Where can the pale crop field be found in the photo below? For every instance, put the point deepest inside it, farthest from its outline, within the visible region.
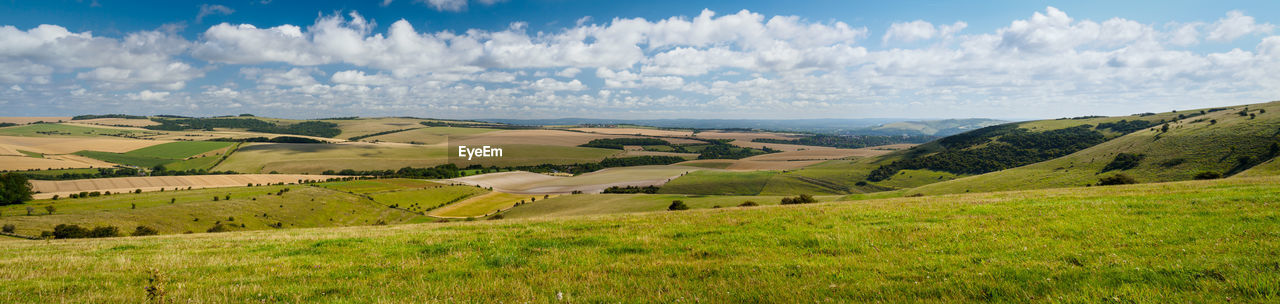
(47, 189)
(316, 158)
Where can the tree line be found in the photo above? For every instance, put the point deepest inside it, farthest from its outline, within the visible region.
(849, 141)
(308, 128)
(1011, 147)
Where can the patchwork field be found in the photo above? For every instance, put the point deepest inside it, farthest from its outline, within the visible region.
(118, 122)
(1204, 241)
(27, 120)
(428, 135)
(316, 158)
(47, 189)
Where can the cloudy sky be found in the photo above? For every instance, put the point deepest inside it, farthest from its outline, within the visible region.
(635, 59)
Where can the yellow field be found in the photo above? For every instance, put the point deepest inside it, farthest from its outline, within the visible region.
(316, 158)
(27, 120)
(48, 189)
(67, 145)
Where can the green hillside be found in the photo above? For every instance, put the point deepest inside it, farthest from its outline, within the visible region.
(1222, 142)
(1200, 241)
(162, 154)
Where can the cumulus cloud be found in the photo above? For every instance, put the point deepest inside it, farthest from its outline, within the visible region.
(208, 10)
(743, 64)
(920, 30)
(450, 5)
(1237, 24)
(147, 95)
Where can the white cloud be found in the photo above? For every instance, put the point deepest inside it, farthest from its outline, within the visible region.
(920, 30)
(208, 10)
(358, 77)
(1237, 24)
(548, 84)
(148, 95)
(569, 72)
(451, 5)
(295, 77)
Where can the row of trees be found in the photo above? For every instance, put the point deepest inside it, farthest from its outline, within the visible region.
(849, 141)
(618, 143)
(309, 128)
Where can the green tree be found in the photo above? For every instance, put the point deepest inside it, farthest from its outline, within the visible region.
(677, 205)
(50, 209)
(14, 189)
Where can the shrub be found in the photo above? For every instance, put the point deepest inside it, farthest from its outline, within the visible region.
(748, 204)
(218, 228)
(144, 230)
(64, 231)
(1208, 175)
(104, 231)
(9, 228)
(677, 205)
(1118, 179)
(1124, 161)
(800, 199)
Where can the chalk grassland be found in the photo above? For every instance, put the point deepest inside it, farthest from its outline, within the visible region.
(378, 185)
(1211, 241)
(594, 182)
(316, 158)
(427, 198)
(62, 188)
(257, 208)
(483, 205)
(594, 204)
(428, 135)
(1190, 147)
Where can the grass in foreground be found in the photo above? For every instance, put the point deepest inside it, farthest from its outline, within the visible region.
(1207, 241)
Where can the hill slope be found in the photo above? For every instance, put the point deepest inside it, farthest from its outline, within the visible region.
(1222, 142)
(1204, 241)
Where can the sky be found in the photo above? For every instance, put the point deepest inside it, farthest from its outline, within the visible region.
(635, 59)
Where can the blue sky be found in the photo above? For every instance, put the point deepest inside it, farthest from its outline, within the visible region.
(635, 59)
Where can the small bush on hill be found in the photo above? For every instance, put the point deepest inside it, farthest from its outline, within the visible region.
(144, 230)
(9, 228)
(677, 205)
(748, 204)
(1118, 179)
(800, 199)
(1124, 161)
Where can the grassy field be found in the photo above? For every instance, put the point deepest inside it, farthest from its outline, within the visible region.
(180, 149)
(594, 204)
(719, 183)
(427, 199)
(162, 154)
(484, 204)
(378, 185)
(49, 129)
(428, 135)
(1205, 241)
(31, 154)
(195, 210)
(316, 158)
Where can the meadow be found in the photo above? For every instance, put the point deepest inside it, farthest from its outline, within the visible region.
(1200, 241)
